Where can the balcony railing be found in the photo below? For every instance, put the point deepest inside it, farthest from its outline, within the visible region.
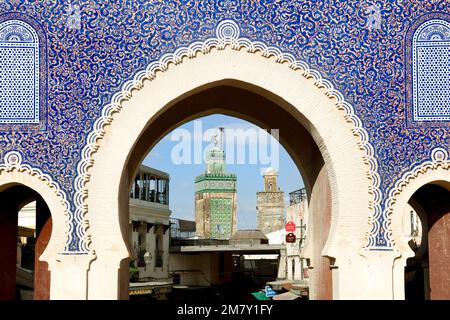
(177, 242)
(297, 196)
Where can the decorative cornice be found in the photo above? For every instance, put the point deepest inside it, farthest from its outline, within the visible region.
(227, 35)
(216, 191)
(439, 159)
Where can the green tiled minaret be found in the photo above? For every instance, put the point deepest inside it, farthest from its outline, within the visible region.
(215, 196)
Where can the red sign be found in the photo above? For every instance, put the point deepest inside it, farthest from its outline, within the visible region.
(290, 226)
(290, 238)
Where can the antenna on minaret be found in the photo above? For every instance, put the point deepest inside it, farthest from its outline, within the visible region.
(215, 140)
(221, 137)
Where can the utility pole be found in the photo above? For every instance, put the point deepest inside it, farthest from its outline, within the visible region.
(221, 137)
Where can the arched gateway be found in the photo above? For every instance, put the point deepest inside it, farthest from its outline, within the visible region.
(260, 84)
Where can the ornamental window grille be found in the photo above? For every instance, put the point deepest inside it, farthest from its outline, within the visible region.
(19, 73)
(430, 71)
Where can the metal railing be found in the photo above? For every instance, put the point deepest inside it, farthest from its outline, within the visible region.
(297, 196)
(177, 242)
(177, 232)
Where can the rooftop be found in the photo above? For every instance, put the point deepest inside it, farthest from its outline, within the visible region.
(155, 172)
(270, 172)
(249, 235)
(243, 249)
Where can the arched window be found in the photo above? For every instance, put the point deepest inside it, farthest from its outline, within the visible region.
(430, 71)
(19, 73)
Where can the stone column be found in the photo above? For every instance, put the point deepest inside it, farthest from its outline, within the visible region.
(368, 275)
(386, 273)
(68, 277)
(290, 261)
(282, 265)
(297, 268)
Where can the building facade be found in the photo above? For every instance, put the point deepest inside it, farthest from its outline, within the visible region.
(204, 269)
(149, 233)
(360, 93)
(270, 204)
(297, 212)
(215, 197)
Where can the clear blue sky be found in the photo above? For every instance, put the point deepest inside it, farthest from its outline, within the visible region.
(168, 154)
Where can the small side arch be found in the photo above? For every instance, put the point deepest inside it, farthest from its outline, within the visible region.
(435, 171)
(13, 172)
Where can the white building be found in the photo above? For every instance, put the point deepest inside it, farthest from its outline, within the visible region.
(296, 213)
(149, 236)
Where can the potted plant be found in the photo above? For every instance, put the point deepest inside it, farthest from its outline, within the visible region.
(134, 272)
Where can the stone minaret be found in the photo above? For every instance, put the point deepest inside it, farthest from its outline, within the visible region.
(215, 196)
(270, 204)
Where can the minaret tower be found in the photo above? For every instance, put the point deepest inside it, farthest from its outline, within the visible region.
(215, 196)
(270, 204)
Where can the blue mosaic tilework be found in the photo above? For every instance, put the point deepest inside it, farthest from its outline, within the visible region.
(19, 73)
(431, 75)
(88, 53)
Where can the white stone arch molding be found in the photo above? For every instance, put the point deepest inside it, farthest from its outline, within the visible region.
(436, 169)
(231, 46)
(14, 171)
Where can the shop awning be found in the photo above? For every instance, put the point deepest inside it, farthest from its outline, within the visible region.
(286, 296)
(260, 295)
